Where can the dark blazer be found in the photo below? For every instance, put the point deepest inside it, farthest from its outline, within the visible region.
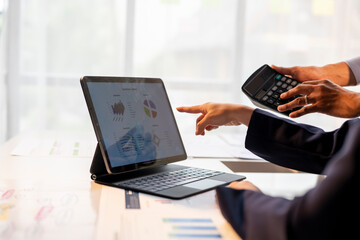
(328, 211)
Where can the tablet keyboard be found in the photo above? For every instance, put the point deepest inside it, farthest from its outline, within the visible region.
(165, 180)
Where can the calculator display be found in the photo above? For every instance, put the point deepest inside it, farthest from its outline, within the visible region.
(253, 86)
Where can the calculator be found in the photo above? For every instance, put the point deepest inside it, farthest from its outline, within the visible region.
(265, 86)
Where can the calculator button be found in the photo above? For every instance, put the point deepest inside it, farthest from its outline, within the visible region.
(294, 83)
(278, 83)
(280, 91)
(269, 93)
(284, 85)
(271, 101)
(283, 79)
(278, 76)
(289, 88)
(274, 88)
(265, 98)
(288, 81)
(276, 95)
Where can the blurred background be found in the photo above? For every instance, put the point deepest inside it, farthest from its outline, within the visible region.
(203, 50)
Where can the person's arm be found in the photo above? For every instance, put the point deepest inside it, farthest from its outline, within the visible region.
(281, 141)
(214, 115)
(284, 142)
(323, 96)
(340, 73)
(325, 212)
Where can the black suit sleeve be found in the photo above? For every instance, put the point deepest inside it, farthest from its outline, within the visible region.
(327, 211)
(289, 144)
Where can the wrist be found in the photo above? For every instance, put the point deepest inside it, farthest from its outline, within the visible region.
(356, 100)
(339, 73)
(350, 102)
(243, 114)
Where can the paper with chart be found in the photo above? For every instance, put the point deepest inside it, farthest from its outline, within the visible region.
(46, 211)
(48, 145)
(217, 146)
(143, 216)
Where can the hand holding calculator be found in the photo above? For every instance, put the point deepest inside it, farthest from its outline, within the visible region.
(265, 86)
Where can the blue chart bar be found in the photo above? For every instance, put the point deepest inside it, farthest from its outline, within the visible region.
(188, 220)
(183, 235)
(194, 227)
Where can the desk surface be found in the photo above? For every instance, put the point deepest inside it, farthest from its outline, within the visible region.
(52, 197)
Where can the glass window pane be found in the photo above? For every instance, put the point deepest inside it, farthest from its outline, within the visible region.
(81, 37)
(185, 40)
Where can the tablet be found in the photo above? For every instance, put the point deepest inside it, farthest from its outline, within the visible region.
(133, 122)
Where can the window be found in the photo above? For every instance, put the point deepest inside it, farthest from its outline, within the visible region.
(203, 50)
(2, 71)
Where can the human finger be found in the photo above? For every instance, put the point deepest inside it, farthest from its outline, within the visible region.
(244, 185)
(200, 118)
(297, 102)
(192, 109)
(303, 111)
(301, 89)
(201, 125)
(283, 70)
(197, 121)
(317, 82)
(235, 184)
(211, 127)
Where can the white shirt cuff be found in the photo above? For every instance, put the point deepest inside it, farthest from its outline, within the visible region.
(354, 65)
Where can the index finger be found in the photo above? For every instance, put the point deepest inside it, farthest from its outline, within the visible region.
(317, 82)
(298, 90)
(192, 109)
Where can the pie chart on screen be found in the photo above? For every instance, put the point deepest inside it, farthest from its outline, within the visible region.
(150, 108)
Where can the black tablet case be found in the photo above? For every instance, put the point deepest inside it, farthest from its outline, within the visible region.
(98, 167)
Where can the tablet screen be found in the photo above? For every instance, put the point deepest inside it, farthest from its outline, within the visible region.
(136, 122)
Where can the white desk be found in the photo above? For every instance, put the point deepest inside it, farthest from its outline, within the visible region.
(52, 197)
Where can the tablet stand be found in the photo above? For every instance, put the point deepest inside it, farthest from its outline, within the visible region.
(98, 167)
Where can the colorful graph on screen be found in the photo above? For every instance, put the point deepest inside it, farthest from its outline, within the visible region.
(118, 109)
(150, 108)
